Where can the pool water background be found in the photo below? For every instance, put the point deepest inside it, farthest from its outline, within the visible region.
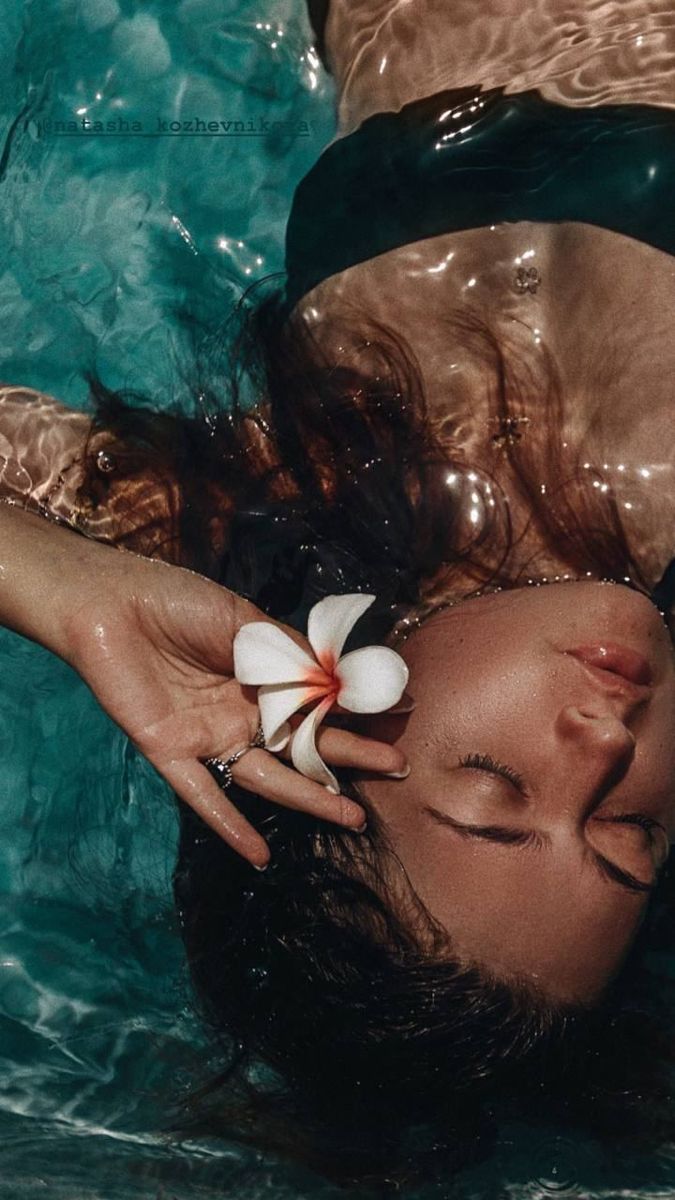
(103, 237)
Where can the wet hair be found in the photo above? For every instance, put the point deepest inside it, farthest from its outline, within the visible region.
(351, 1036)
(385, 1057)
(336, 477)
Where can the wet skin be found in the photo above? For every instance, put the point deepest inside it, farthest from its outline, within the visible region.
(541, 799)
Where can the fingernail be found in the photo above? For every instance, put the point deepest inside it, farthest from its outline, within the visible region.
(263, 868)
(352, 813)
(361, 828)
(398, 774)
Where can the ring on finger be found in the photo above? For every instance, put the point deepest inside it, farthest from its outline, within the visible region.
(222, 768)
(258, 741)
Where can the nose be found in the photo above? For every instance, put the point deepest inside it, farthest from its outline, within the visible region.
(600, 734)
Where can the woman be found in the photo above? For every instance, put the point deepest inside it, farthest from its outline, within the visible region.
(471, 428)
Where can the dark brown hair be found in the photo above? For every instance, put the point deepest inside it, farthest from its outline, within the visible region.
(351, 1036)
(347, 447)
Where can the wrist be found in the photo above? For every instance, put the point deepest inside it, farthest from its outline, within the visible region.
(48, 575)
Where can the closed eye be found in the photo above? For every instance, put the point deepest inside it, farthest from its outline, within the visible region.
(649, 824)
(520, 837)
(485, 762)
(490, 833)
(531, 837)
(656, 834)
(625, 878)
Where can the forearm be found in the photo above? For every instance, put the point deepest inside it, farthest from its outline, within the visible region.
(47, 572)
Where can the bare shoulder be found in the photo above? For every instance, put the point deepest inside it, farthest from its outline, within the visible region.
(56, 461)
(25, 410)
(41, 444)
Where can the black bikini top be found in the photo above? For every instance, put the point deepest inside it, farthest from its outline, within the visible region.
(465, 160)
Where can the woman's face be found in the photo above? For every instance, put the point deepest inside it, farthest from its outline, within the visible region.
(541, 798)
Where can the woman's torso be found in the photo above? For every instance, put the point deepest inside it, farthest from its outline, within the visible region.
(385, 53)
(600, 302)
(602, 305)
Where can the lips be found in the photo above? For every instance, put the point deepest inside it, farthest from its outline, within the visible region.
(614, 659)
(616, 670)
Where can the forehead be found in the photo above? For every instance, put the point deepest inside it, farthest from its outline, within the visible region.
(495, 622)
(572, 603)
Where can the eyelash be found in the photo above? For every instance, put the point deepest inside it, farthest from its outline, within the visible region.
(647, 823)
(485, 762)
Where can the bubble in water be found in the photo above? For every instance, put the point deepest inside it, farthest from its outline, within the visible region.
(557, 1165)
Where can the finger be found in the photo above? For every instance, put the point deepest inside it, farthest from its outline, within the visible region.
(262, 773)
(194, 784)
(341, 748)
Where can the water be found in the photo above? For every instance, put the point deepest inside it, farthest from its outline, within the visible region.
(102, 236)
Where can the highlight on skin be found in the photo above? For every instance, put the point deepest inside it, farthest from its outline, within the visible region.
(540, 806)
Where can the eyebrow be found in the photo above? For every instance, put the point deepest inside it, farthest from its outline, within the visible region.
(506, 836)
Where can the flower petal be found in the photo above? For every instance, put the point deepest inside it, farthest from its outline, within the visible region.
(263, 653)
(280, 739)
(371, 680)
(331, 621)
(276, 702)
(304, 754)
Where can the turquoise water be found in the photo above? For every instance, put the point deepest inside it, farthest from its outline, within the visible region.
(102, 237)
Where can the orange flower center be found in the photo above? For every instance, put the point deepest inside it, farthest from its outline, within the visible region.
(323, 679)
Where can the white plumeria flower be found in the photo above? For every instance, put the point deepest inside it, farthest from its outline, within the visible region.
(369, 680)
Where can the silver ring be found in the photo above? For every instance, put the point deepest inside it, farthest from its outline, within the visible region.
(223, 767)
(258, 742)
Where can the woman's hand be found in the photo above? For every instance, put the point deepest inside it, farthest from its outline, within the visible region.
(154, 643)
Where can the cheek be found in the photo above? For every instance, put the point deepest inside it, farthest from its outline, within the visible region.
(662, 759)
(513, 699)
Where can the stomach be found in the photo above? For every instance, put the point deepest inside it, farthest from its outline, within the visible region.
(584, 53)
